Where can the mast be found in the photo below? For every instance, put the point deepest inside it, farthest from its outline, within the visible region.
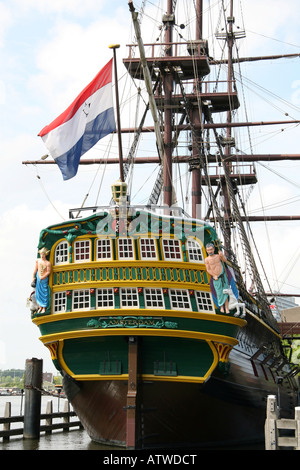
(147, 78)
(168, 21)
(227, 152)
(197, 119)
(114, 47)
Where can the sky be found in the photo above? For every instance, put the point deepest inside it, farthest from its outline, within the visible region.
(49, 51)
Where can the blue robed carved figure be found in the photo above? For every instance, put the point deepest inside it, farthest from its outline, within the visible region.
(41, 274)
(221, 278)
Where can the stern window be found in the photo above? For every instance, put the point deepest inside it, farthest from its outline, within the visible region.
(61, 253)
(194, 251)
(204, 301)
(148, 248)
(129, 297)
(171, 248)
(180, 299)
(81, 299)
(59, 302)
(104, 248)
(125, 248)
(82, 250)
(153, 298)
(105, 298)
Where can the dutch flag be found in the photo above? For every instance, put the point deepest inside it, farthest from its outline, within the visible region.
(88, 119)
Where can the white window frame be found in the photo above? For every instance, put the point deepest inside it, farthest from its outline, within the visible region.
(101, 245)
(128, 242)
(201, 299)
(129, 291)
(145, 243)
(61, 250)
(81, 296)
(156, 296)
(59, 302)
(193, 250)
(110, 302)
(180, 294)
(87, 244)
(171, 243)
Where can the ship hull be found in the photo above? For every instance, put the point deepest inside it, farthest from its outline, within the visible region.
(147, 357)
(222, 412)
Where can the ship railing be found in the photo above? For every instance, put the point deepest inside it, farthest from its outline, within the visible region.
(236, 170)
(173, 211)
(210, 86)
(197, 47)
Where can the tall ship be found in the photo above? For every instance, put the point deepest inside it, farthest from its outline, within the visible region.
(163, 336)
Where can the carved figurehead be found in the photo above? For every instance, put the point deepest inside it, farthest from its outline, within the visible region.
(41, 274)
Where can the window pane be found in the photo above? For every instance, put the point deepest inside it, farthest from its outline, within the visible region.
(125, 248)
(61, 253)
(194, 251)
(82, 250)
(129, 297)
(179, 299)
(153, 298)
(148, 248)
(81, 299)
(104, 248)
(105, 298)
(204, 301)
(171, 248)
(59, 302)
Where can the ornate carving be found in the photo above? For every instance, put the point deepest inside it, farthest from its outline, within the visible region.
(131, 322)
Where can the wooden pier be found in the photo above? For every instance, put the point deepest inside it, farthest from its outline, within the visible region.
(65, 423)
(31, 427)
(281, 434)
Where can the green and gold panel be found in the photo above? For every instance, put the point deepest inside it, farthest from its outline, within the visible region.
(160, 358)
(217, 325)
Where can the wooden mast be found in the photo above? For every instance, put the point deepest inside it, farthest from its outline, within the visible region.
(168, 21)
(114, 47)
(197, 120)
(227, 150)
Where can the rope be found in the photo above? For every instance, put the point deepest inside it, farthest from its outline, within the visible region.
(46, 194)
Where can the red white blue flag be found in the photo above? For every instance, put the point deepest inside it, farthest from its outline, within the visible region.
(88, 119)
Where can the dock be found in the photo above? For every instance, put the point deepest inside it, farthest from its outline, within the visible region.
(50, 419)
(30, 423)
(280, 433)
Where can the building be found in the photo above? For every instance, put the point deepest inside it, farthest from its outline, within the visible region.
(290, 322)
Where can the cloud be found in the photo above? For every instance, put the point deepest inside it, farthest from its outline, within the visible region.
(71, 58)
(19, 234)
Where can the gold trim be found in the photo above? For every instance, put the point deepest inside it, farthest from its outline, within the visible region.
(125, 284)
(138, 332)
(134, 263)
(160, 378)
(187, 314)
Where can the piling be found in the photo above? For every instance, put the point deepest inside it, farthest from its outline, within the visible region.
(7, 414)
(33, 387)
(281, 433)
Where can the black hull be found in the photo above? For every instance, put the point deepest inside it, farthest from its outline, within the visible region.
(222, 412)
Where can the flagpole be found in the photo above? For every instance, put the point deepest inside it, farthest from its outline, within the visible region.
(114, 47)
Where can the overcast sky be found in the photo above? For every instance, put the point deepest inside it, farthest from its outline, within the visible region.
(49, 51)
